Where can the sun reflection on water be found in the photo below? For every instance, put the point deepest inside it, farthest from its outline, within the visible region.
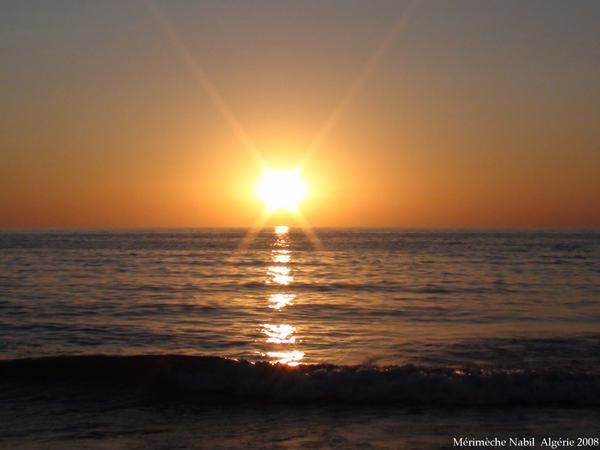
(279, 275)
(282, 229)
(280, 301)
(281, 335)
(291, 358)
(281, 256)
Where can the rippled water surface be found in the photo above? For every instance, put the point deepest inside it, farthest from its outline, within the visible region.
(384, 297)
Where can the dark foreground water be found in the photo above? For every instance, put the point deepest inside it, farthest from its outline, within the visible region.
(383, 338)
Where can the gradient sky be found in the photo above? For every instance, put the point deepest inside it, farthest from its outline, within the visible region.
(449, 114)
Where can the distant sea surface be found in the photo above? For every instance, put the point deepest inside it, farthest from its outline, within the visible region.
(371, 318)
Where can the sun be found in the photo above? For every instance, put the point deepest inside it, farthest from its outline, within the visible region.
(282, 189)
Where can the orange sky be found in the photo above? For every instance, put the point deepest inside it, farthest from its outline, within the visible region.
(462, 114)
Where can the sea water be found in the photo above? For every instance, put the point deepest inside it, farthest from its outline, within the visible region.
(283, 322)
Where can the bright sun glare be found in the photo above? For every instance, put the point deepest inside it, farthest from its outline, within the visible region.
(282, 189)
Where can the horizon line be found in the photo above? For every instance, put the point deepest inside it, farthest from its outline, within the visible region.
(343, 227)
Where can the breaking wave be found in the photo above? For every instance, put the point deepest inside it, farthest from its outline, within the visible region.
(201, 378)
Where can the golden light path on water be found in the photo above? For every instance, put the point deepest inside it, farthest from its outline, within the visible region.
(279, 334)
(281, 337)
(282, 229)
(280, 301)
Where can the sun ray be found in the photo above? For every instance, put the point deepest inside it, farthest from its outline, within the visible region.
(308, 231)
(253, 231)
(199, 74)
(358, 83)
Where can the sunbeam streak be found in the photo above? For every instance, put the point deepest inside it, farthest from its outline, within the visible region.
(358, 83)
(199, 75)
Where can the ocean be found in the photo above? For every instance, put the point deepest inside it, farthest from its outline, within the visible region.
(338, 338)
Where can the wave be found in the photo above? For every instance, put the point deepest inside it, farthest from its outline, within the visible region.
(382, 286)
(204, 378)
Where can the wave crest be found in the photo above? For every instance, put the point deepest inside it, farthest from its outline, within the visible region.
(223, 379)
